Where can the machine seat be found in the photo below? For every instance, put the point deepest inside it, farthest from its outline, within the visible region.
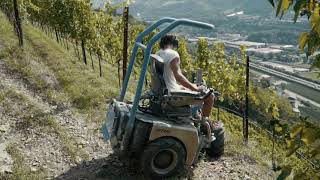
(185, 98)
(185, 93)
(175, 103)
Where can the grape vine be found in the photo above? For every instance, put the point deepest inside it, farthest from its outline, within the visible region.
(74, 21)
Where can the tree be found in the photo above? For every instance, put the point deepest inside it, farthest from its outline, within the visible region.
(12, 10)
(18, 26)
(203, 54)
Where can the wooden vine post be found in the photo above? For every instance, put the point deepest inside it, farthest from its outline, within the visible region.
(125, 41)
(83, 48)
(18, 27)
(246, 117)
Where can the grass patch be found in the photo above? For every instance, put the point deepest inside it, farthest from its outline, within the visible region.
(55, 73)
(311, 75)
(31, 116)
(84, 87)
(20, 168)
(17, 105)
(68, 143)
(259, 147)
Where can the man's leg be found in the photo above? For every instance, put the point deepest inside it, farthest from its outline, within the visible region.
(206, 110)
(207, 106)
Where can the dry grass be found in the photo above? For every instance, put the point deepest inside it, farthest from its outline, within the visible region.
(17, 105)
(20, 169)
(31, 116)
(56, 74)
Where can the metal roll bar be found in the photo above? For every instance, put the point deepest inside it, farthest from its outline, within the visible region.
(135, 50)
(147, 52)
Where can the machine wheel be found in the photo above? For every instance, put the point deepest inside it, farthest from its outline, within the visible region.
(140, 136)
(163, 158)
(217, 146)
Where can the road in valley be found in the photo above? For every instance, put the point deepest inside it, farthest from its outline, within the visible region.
(284, 76)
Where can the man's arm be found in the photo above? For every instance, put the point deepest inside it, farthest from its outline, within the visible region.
(181, 79)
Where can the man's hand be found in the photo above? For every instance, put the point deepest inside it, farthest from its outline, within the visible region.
(201, 88)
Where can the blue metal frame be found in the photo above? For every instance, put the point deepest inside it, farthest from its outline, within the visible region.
(135, 50)
(147, 52)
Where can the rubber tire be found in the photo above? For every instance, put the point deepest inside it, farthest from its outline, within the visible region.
(140, 137)
(216, 149)
(152, 150)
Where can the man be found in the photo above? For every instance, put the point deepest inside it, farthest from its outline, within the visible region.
(173, 76)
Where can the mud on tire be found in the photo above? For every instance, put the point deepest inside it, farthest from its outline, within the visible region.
(163, 158)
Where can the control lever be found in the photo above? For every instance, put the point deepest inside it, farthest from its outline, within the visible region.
(199, 79)
(207, 94)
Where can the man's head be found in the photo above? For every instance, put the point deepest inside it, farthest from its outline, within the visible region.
(169, 41)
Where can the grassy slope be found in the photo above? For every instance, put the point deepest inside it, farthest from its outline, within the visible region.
(55, 73)
(259, 147)
(58, 76)
(30, 117)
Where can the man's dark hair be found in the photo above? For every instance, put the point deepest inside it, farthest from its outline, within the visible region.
(169, 40)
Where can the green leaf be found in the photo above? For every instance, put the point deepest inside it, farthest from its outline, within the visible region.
(271, 2)
(311, 4)
(290, 143)
(285, 172)
(303, 40)
(295, 131)
(299, 176)
(285, 5)
(292, 149)
(297, 8)
(308, 136)
(313, 42)
(315, 18)
(315, 148)
(278, 128)
(279, 7)
(316, 63)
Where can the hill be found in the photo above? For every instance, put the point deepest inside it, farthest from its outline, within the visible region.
(255, 21)
(51, 110)
(204, 9)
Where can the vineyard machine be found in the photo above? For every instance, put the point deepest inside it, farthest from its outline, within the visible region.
(161, 130)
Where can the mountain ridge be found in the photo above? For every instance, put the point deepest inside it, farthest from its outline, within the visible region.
(200, 9)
